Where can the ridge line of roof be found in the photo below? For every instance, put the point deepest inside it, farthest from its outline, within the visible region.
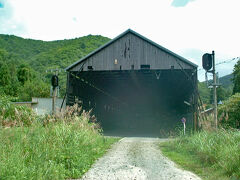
(137, 34)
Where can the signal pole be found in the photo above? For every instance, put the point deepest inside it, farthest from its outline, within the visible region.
(214, 91)
(54, 100)
(54, 96)
(208, 62)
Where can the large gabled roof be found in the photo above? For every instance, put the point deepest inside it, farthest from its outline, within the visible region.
(138, 35)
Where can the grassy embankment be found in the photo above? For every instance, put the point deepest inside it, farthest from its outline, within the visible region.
(52, 147)
(211, 155)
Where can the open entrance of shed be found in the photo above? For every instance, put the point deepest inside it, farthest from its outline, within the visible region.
(136, 102)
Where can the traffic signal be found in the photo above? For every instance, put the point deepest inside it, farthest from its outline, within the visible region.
(207, 61)
(55, 81)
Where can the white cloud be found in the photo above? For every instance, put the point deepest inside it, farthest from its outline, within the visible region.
(202, 24)
(8, 24)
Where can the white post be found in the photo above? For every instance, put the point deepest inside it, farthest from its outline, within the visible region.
(184, 127)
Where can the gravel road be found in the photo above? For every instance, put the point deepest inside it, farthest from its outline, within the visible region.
(136, 159)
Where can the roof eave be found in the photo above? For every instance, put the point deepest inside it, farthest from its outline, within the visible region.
(139, 35)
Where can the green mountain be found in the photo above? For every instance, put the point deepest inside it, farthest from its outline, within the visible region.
(25, 64)
(44, 55)
(226, 81)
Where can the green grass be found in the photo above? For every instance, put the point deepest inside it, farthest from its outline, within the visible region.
(58, 151)
(211, 155)
(61, 146)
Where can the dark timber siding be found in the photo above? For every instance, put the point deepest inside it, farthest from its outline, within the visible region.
(131, 50)
(134, 100)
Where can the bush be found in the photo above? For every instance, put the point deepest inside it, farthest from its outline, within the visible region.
(12, 115)
(229, 112)
(61, 146)
(218, 150)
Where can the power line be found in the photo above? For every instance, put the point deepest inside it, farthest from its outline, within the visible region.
(223, 62)
(227, 61)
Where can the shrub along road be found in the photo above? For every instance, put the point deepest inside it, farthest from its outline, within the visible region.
(136, 158)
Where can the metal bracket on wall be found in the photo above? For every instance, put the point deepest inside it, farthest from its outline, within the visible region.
(158, 74)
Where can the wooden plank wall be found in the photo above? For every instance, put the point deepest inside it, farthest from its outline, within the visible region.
(131, 50)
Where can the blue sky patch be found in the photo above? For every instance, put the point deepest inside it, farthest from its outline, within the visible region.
(180, 3)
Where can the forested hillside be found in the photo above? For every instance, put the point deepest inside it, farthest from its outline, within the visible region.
(226, 81)
(24, 62)
(42, 55)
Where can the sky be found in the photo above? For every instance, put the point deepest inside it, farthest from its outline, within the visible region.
(189, 28)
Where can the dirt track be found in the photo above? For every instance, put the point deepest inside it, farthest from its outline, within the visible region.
(136, 159)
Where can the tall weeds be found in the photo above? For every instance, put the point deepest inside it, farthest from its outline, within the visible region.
(12, 115)
(61, 146)
(219, 149)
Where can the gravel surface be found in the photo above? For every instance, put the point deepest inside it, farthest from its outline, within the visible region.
(136, 159)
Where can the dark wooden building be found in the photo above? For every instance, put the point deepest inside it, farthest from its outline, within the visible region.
(134, 85)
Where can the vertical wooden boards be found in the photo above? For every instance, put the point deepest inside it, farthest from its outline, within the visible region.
(130, 50)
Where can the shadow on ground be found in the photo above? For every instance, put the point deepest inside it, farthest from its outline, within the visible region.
(135, 133)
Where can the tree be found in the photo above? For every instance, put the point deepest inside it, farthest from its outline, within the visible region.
(24, 73)
(5, 75)
(229, 112)
(3, 55)
(236, 78)
(36, 88)
(24, 63)
(9, 84)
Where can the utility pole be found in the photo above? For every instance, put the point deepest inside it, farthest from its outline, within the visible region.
(208, 62)
(54, 100)
(54, 96)
(214, 90)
